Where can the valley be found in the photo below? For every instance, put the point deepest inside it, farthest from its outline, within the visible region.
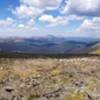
(50, 45)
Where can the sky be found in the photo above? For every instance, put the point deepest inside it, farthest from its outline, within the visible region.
(70, 18)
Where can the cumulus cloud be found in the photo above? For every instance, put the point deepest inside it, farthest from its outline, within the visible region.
(21, 25)
(90, 27)
(10, 22)
(42, 3)
(25, 11)
(6, 22)
(93, 24)
(82, 7)
(10, 27)
(30, 13)
(53, 21)
(32, 8)
(59, 20)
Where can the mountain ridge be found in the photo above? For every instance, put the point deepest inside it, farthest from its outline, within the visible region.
(49, 45)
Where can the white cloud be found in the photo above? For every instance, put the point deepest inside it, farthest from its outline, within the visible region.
(59, 20)
(53, 21)
(9, 22)
(90, 27)
(6, 22)
(11, 27)
(32, 8)
(46, 18)
(21, 25)
(16, 31)
(93, 24)
(25, 11)
(73, 11)
(42, 3)
(7, 28)
(83, 7)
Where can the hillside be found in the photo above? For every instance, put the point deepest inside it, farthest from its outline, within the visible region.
(48, 45)
(95, 49)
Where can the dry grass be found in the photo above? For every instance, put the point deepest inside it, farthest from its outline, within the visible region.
(3, 74)
(96, 52)
(69, 79)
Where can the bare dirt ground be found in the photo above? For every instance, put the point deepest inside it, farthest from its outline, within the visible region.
(50, 79)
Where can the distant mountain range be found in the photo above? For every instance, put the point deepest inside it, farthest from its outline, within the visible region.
(50, 45)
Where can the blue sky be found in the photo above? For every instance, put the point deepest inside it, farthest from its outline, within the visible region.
(27, 18)
(5, 5)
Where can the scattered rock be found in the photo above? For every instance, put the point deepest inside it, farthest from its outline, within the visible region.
(50, 79)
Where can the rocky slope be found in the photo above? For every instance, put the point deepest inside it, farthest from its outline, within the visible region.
(50, 79)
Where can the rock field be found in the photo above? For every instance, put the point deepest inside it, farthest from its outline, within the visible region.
(75, 78)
